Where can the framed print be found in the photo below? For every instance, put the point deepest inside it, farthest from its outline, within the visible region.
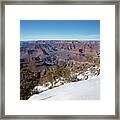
(59, 59)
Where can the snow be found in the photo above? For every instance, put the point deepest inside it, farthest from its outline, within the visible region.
(59, 83)
(81, 90)
(80, 77)
(40, 88)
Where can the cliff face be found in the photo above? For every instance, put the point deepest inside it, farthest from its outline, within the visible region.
(38, 55)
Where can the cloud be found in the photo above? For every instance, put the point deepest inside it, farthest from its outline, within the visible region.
(72, 36)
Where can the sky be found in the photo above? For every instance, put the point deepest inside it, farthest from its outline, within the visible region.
(59, 29)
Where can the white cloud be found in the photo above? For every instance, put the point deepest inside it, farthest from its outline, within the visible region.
(72, 37)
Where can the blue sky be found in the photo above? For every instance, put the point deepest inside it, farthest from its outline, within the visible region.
(59, 29)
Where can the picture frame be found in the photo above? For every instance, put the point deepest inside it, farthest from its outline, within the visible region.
(2, 90)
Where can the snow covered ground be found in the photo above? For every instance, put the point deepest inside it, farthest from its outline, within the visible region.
(81, 90)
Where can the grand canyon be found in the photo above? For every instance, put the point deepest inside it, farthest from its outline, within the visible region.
(51, 63)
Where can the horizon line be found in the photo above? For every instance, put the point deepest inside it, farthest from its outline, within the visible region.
(61, 39)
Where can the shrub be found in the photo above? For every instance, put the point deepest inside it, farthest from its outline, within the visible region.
(27, 83)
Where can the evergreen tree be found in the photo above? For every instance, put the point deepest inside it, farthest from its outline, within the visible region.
(27, 83)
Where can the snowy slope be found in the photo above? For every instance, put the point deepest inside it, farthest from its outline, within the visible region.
(82, 90)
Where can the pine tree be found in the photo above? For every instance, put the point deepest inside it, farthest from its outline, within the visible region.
(27, 83)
